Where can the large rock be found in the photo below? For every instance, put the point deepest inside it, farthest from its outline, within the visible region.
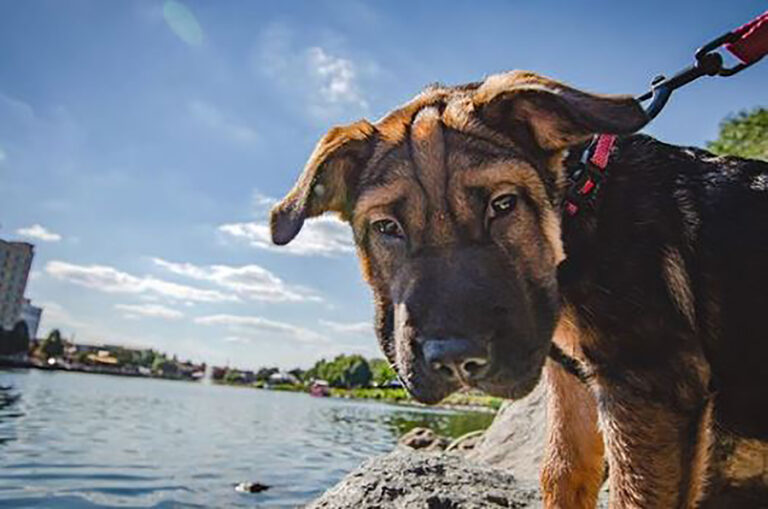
(499, 470)
(504, 463)
(413, 480)
(515, 439)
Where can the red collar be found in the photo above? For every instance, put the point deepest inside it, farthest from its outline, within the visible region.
(586, 177)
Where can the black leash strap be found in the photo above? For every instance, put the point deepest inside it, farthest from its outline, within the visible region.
(748, 43)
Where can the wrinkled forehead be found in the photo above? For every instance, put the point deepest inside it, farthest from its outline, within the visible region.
(438, 156)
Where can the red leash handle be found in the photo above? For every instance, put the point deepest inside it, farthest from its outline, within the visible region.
(752, 44)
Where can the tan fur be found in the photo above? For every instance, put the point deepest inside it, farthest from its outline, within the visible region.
(700, 468)
(653, 459)
(428, 151)
(744, 462)
(381, 198)
(393, 127)
(572, 470)
(679, 284)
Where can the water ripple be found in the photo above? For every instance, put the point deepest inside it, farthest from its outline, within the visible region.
(76, 440)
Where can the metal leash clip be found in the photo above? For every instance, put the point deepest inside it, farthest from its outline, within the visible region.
(748, 43)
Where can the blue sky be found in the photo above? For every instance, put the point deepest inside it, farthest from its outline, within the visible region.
(141, 144)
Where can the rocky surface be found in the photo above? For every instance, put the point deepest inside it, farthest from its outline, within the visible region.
(515, 440)
(407, 479)
(498, 468)
(501, 466)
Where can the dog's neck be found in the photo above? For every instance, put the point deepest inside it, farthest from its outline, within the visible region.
(582, 185)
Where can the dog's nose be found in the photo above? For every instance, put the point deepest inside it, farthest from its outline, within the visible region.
(459, 358)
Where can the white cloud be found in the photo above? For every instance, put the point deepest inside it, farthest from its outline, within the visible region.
(262, 202)
(150, 310)
(55, 315)
(324, 236)
(249, 281)
(39, 232)
(336, 77)
(261, 328)
(237, 339)
(213, 118)
(349, 328)
(110, 280)
(328, 85)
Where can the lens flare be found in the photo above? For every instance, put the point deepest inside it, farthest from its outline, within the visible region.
(183, 23)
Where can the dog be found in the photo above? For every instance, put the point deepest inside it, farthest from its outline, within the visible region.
(656, 288)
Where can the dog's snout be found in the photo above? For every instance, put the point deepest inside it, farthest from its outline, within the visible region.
(459, 358)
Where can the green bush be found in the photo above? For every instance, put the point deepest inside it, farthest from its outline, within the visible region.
(346, 371)
(744, 134)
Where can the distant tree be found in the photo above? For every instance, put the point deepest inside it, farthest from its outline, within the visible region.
(357, 372)
(146, 358)
(263, 374)
(53, 345)
(163, 366)
(124, 356)
(233, 376)
(381, 371)
(298, 373)
(343, 371)
(313, 373)
(744, 134)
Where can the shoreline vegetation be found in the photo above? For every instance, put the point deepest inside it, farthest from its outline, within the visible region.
(350, 377)
(473, 401)
(345, 376)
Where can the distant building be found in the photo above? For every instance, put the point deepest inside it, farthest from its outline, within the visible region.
(15, 262)
(31, 314)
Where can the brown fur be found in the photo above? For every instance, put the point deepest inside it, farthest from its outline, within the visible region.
(457, 269)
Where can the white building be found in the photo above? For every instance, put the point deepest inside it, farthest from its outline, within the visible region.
(15, 262)
(282, 378)
(31, 314)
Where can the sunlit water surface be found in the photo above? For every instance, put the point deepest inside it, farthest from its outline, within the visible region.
(80, 440)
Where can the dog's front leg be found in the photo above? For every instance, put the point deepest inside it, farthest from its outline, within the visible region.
(573, 468)
(657, 450)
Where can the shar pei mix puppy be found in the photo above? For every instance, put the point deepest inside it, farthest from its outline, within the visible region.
(656, 290)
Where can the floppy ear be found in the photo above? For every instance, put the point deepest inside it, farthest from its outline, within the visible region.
(328, 180)
(557, 116)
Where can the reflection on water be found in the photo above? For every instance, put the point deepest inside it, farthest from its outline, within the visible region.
(450, 425)
(8, 399)
(78, 440)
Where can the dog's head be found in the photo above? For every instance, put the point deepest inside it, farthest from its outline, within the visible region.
(454, 200)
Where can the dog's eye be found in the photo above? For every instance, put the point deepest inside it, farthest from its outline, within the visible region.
(388, 227)
(503, 204)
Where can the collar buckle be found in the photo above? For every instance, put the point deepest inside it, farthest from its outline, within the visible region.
(587, 176)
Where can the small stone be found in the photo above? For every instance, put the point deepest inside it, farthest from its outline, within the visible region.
(251, 487)
(423, 439)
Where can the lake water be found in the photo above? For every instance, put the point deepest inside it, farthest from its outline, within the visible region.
(82, 440)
